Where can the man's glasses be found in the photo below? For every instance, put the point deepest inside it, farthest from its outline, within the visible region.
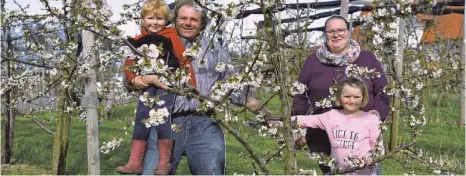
(337, 31)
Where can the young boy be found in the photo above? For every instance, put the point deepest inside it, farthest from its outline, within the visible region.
(154, 18)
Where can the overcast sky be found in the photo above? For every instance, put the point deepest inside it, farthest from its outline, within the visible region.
(132, 29)
(36, 7)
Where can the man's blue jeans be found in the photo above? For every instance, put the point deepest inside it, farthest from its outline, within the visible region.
(201, 140)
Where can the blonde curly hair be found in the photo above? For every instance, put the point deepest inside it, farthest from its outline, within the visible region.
(157, 7)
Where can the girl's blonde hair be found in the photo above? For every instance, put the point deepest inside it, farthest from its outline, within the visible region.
(355, 82)
(157, 7)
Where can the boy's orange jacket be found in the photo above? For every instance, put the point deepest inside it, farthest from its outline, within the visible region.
(178, 49)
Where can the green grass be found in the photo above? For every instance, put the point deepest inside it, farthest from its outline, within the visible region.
(33, 146)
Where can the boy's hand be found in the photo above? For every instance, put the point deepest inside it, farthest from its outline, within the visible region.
(153, 80)
(146, 79)
(138, 83)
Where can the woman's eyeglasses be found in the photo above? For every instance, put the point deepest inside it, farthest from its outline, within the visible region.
(337, 31)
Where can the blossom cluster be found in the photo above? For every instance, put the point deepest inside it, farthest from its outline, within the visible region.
(359, 71)
(268, 130)
(193, 51)
(151, 64)
(156, 117)
(354, 161)
(298, 88)
(307, 172)
(323, 159)
(110, 145)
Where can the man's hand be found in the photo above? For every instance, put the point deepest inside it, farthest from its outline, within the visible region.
(275, 122)
(375, 113)
(138, 83)
(300, 141)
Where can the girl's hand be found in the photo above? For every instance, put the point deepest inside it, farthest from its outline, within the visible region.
(138, 83)
(368, 161)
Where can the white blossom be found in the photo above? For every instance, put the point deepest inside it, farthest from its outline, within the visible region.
(307, 172)
(161, 102)
(419, 86)
(298, 88)
(111, 145)
(221, 67)
(53, 72)
(192, 51)
(437, 73)
(354, 161)
(156, 117)
(144, 97)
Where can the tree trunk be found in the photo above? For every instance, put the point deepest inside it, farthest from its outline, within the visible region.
(61, 135)
(463, 87)
(9, 116)
(60, 143)
(440, 98)
(8, 113)
(289, 159)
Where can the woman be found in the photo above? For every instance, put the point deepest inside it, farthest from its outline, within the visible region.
(325, 67)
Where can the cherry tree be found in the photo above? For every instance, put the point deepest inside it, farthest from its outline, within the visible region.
(269, 59)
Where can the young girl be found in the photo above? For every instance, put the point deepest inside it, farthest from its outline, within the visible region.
(351, 132)
(154, 18)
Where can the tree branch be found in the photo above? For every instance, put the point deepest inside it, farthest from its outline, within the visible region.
(5, 58)
(238, 137)
(274, 155)
(29, 116)
(377, 160)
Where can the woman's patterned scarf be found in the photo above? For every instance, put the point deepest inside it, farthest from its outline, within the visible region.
(350, 56)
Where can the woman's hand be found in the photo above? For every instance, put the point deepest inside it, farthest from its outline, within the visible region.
(375, 113)
(138, 83)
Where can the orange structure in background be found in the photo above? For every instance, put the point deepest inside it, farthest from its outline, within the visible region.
(443, 27)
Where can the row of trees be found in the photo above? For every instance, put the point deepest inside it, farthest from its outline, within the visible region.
(271, 58)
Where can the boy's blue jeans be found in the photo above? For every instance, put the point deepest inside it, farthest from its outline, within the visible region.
(141, 132)
(201, 140)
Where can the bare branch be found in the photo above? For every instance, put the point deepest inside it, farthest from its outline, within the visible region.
(29, 116)
(243, 142)
(5, 58)
(377, 160)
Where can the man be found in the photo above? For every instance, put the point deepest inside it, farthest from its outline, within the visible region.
(201, 139)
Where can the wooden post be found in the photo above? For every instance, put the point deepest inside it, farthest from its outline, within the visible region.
(463, 87)
(344, 8)
(90, 102)
(399, 76)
